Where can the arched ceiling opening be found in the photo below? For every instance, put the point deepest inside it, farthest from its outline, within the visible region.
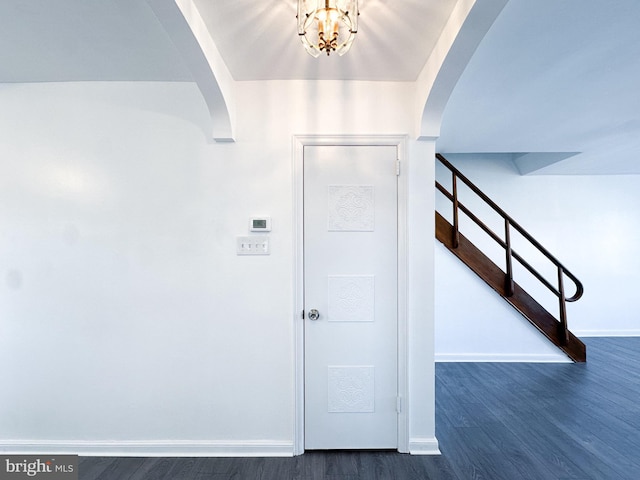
(216, 44)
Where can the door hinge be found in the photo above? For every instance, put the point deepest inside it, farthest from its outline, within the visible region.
(397, 167)
(399, 404)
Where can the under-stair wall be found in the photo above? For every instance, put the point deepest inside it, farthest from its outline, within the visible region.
(483, 327)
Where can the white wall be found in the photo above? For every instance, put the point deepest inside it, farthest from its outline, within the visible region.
(128, 324)
(590, 223)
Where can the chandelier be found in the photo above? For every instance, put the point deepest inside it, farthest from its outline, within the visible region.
(327, 25)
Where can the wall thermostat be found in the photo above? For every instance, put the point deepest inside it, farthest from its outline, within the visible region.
(260, 224)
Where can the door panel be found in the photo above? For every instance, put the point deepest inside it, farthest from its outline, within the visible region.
(350, 265)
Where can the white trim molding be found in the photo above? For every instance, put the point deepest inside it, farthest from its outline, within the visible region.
(424, 446)
(502, 357)
(607, 333)
(165, 448)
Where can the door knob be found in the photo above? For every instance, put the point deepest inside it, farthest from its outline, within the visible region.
(314, 314)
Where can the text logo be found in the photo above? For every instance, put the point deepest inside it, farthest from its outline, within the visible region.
(45, 467)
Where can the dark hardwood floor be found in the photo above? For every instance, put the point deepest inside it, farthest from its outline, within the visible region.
(495, 421)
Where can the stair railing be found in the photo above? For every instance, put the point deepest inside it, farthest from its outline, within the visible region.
(510, 254)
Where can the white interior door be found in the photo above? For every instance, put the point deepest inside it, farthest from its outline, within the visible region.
(351, 280)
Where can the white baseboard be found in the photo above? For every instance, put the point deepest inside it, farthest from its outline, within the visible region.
(417, 446)
(168, 448)
(606, 333)
(424, 446)
(500, 357)
(533, 357)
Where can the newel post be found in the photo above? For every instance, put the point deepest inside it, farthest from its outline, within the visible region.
(564, 328)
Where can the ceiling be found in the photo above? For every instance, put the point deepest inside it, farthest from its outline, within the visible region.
(555, 80)
(258, 40)
(552, 78)
(84, 40)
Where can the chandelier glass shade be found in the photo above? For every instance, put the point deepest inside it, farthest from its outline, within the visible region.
(327, 25)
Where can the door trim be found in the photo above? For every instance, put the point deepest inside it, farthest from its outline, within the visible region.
(299, 142)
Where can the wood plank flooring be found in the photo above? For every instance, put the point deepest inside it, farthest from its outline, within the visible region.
(494, 421)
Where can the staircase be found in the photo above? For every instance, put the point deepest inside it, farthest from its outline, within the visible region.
(555, 329)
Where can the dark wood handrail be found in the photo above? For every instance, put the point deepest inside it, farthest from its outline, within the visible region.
(510, 254)
(499, 241)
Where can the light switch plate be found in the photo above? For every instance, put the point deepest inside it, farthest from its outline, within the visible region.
(253, 245)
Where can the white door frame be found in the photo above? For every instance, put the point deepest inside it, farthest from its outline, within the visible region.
(299, 142)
